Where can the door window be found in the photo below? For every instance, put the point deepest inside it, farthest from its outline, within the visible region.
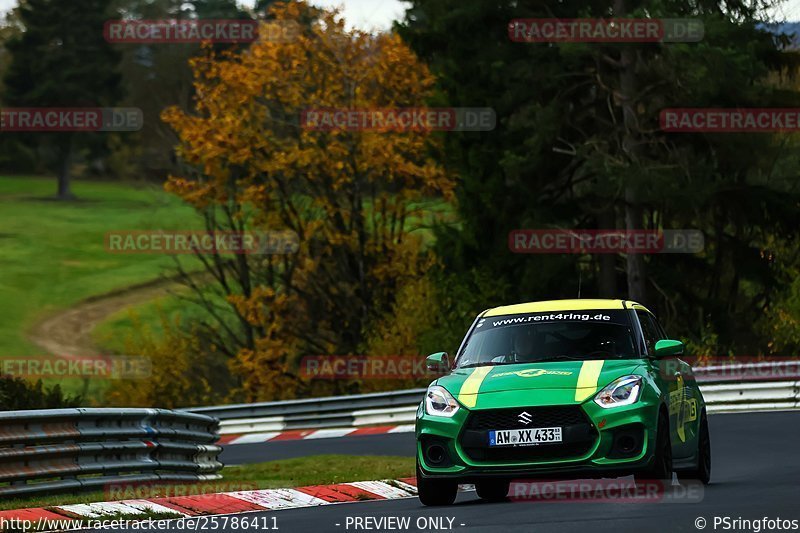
(651, 333)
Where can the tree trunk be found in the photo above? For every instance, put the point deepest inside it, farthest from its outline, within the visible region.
(635, 265)
(608, 274)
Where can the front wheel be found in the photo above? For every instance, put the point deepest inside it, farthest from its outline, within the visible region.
(435, 491)
(661, 468)
(703, 471)
(492, 491)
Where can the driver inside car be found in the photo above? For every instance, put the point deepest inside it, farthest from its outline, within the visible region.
(527, 345)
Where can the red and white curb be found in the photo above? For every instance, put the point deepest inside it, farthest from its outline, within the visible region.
(304, 434)
(227, 502)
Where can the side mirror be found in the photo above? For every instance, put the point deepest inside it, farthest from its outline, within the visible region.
(438, 362)
(668, 348)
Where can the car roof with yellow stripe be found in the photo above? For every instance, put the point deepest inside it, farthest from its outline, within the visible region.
(562, 305)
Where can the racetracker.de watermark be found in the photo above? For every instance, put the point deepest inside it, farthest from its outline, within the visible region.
(87, 119)
(576, 241)
(363, 367)
(588, 30)
(399, 119)
(735, 369)
(718, 120)
(78, 366)
(605, 491)
(132, 490)
(179, 31)
(202, 242)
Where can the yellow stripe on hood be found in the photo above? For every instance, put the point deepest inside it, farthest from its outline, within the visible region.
(468, 395)
(587, 379)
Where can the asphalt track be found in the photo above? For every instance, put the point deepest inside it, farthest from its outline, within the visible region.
(755, 474)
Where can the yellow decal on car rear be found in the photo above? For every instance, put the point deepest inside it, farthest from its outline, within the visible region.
(587, 379)
(468, 395)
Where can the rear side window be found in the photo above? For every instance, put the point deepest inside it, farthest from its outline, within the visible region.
(650, 330)
(662, 332)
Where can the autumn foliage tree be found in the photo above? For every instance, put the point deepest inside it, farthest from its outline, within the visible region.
(352, 197)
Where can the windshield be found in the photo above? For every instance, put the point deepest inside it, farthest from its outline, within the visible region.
(541, 337)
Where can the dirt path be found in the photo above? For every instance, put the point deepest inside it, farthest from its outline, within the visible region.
(69, 332)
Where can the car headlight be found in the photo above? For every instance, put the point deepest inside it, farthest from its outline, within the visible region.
(439, 402)
(622, 391)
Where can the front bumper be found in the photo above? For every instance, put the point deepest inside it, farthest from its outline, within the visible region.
(597, 443)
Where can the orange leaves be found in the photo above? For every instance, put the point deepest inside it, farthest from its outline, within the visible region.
(347, 194)
(194, 193)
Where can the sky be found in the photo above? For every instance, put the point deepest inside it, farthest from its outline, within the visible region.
(789, 11)
(364, 14)
(379, 14)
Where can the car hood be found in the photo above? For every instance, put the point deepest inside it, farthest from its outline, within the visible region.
(562, 382)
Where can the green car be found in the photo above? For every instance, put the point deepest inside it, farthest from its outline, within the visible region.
(561, 389)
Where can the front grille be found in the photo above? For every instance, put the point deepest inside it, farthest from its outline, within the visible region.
(524, 454)
(578, 432)
(542, 417)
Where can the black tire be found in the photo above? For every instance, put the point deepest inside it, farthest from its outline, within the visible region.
(703, 471)
(661, 467)
(435, 491)
(492, 490)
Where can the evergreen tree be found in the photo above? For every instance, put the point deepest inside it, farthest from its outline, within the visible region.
(578, 145)
(61, 59)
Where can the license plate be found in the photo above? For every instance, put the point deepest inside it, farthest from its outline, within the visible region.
(524, 437)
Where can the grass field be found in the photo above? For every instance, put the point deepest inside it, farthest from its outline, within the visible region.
(52, 254)
(300, 472)
(113, 332)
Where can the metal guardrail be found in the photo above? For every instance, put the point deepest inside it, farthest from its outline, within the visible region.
(752, 396)
(725, 388)
(750, 386)
(316, 413)
(71, 449)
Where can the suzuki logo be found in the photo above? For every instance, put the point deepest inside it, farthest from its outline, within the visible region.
(525, 418)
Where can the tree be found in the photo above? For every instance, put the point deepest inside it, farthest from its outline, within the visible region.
(157, 76)
(177, 378)
(578, 145)
(17, 394)
(61, 59)
(349, 196)
(14, 156)
(218, 9)
(262, 6)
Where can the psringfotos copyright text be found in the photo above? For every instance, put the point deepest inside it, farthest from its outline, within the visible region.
(755, 525)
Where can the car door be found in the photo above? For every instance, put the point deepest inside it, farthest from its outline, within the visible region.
(668, 374)
(687, 421)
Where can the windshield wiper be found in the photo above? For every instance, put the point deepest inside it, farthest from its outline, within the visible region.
(487, 363)
(557, 358)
